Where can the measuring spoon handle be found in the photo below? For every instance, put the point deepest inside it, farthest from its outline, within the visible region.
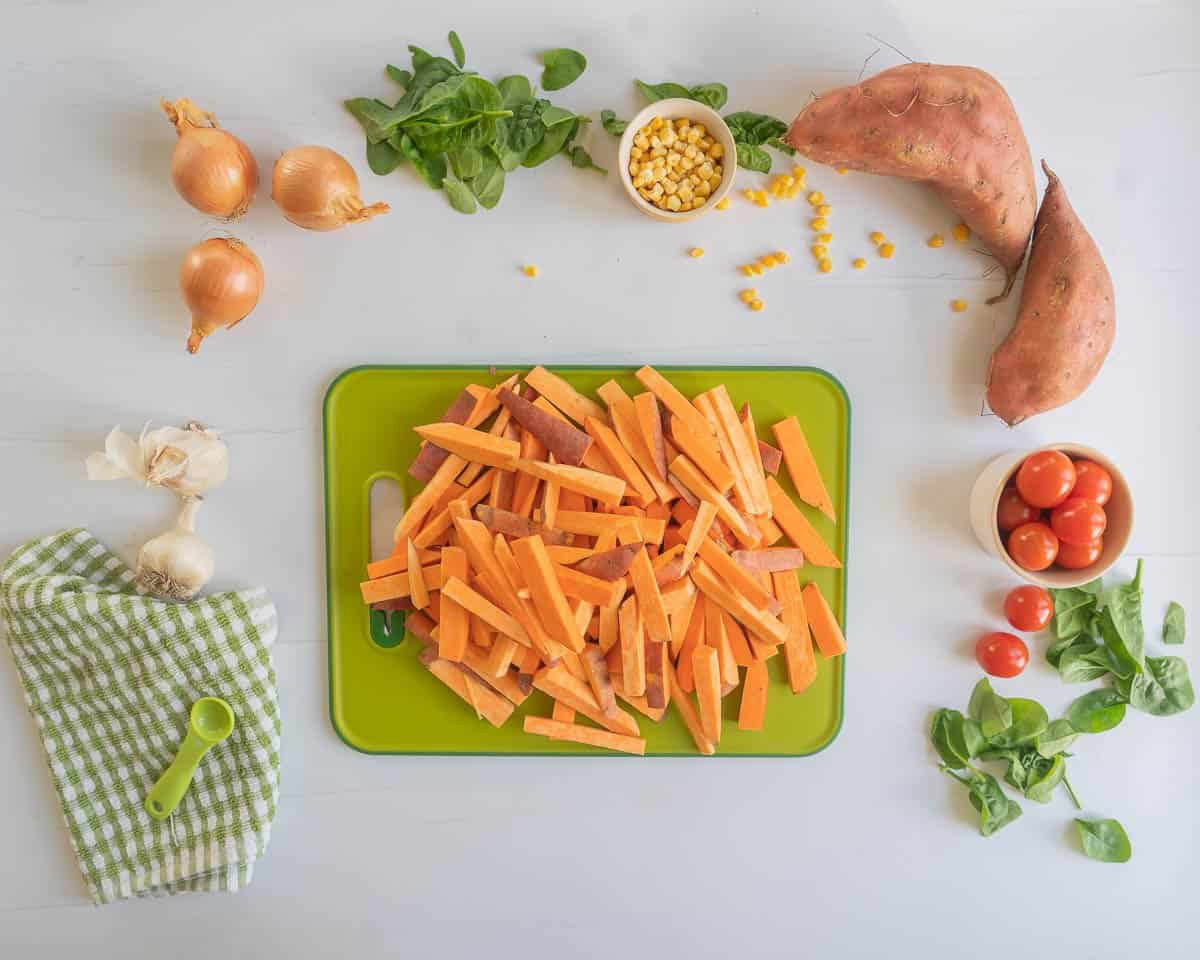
(165, 795)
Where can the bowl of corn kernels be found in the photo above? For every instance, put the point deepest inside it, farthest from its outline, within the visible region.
(677, 159)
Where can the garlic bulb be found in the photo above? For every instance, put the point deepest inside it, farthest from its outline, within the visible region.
(176, 564)
(189, 460)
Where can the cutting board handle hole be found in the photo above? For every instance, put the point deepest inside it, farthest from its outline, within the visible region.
(386, 506)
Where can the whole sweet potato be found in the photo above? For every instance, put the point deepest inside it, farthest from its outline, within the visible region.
(951, 127)
(1067, 319)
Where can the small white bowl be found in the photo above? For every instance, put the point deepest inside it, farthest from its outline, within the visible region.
(675, 108)
(985, 499)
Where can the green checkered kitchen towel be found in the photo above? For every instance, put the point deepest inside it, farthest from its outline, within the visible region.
(110, 676)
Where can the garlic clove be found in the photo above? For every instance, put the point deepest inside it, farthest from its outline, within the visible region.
(122, 457)
(176, 564)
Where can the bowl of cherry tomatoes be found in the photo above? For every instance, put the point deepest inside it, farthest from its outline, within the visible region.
(1059, 516)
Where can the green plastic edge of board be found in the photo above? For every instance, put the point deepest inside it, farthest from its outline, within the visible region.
(845, 537)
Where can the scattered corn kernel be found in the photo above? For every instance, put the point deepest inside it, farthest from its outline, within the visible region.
(696, 253)
(756, 270)
(747, 269)
(842, 170)
(825, 237)
(760, 199)
(768, 261)
(886, 250)
(858, 263)
(817, 223)
(529, 271)
(756, 305)
(962, 233)
(816, 198)
(958, 306)
(824, 210)
(825, 264)
(782, 256)
(722, 204)
(748, 194)
(798, 172)
(748, 295)
(877, 238)
(936, 240)
(820, 251)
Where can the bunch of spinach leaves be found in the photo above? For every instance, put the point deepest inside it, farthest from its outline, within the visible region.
(463, 133)
(751, 131)
(1099, 634)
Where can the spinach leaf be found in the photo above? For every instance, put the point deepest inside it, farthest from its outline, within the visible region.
(582, 159)
(755, 129)
(555, 138)
(1072, 612)
(488, 184)
(383, 158)
(562, 67)
(552, 116)
(1027, 719)
(1044, 775)
(1173, 624)
(1057, 736)
(653, 92)
(781, 146)
(750, 157)
(990, 710)
(955, 738)
(609, 121)
(402, 77)
(375, 117)
(1081, 663)
(1104, 840)
(1092, 586)
(431, 168)
(459, 195)
(460, 56)
(1163, 689)
(1056, 650)
(996, 810)
(1124, 611)
(466, 163)
(712, 95)
(1096, 711)
(514, 90)
(1124, 663)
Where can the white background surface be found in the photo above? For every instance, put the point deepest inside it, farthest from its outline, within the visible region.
(864, 850)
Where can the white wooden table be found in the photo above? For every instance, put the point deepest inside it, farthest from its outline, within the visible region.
(864, 850)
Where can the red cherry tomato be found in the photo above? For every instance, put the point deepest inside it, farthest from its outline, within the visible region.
(1012, 511)
(1079, 556)
(1078, 521)
(1046, 478)
(1001, 654)
(1033, 546)
(1092, 482)
(1029, 608)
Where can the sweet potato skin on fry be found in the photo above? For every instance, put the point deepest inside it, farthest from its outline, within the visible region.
(954, 128)
(569, 445)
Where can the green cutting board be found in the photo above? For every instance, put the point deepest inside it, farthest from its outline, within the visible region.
(381, 700)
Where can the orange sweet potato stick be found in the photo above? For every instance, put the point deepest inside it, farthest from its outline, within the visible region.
(619, 458)
(736, 638)
(525, 487)
(500, 657)
(681, 620)
(699, 532)
(430, 456)
(561, 713)
(399, 584)
(688, 475)
(398, 563)
(633, 647)
(474, 445)
(559, 683)
(753, 710)
(415, 515)
(687, 711)
(703, 450)
(610, 627)
(649, 419)
(741, 483)
(770, 560)
(564, 396)
(737, 577)
(650, 601)
(596, 668)
(580, 586)
(762, 624)
(586, 735)
(798, 648)
(484, 609)
(547, 594)
(798, 529)
(695, 637)
(801, 465)
(707, 673)
(600, 486)
(825, 629)
(676, 596)
(673, 400)
(610, 564)
(745, 452)
(716, 637)
(454, 631)
(625, 422)
(771, 533)
(481, 698)
(593, 459)
(656, 681)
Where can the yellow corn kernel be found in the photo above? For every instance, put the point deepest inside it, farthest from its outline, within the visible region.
(768, 261)
(817, 223)
(747, 269)
(935, 241)
(756, 305)
(798, 172)
(761, 200)
(858, 263)
(825, 264)
(755, 270)
(529, 271)
(886, 250)
(824, 210)
(958, 306)
(825, 237)
(842, 170)
(656, 123)
(748, 194)
(962, 233)
(816, 198)
(673, 202)
(877, 238)
(748, 294)
(723, 203)
(696, 253)
(820, 251)
(781, 256)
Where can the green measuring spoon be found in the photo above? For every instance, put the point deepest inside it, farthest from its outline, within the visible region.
(210, 722)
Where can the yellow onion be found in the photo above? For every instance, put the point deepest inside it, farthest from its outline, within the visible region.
(221, 280)
(316, 188)
(210, 167)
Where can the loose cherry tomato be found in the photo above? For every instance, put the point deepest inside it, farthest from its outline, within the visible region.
(1033, 546)
(1013, 511)
(1029, 608)
(1092, 482)
(1046, 478)
(1001, 654)
(1079, 556)
(1078, 521)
